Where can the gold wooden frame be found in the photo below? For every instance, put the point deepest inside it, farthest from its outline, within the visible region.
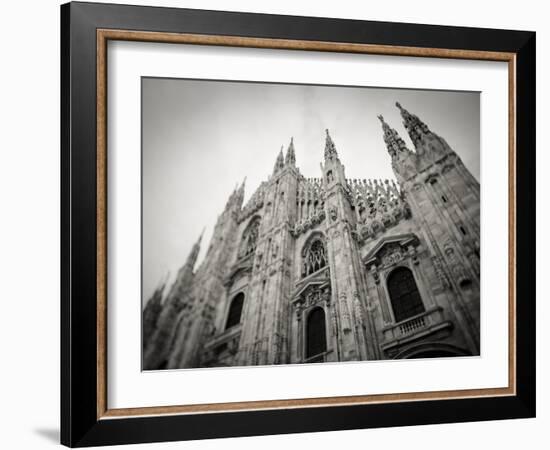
(104, 35)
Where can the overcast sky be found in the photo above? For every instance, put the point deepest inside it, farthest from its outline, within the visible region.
(200, 138)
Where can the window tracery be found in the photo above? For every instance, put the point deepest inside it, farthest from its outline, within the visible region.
(250, 238)
(315, 258)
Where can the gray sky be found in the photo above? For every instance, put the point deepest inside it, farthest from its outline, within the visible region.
(202, 137)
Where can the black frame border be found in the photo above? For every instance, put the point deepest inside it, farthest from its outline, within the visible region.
(79, 423)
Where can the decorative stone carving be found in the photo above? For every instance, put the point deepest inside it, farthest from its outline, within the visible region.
(326, 296)
(259, 257)
(314, 295)
(308, 223)
(346, 320)
(334, 321)
(447, 168)
(413, 254)
(356, 236)
(299, 309)
(208, 312)
(456, 266)
(375, 274)
(440, 273)
(392, 257)
(371, 306)
(249, 238)
(358, 308)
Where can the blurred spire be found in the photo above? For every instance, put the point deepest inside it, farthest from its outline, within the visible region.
(415, 127)
(290, 158)
(193, 255)
(330, 148)
(240, 193)
(394, 143)
(280, 162)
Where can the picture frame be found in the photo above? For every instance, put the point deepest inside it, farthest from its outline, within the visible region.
(86, 418)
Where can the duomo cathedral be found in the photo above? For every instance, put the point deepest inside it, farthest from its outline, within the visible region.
(332, 269)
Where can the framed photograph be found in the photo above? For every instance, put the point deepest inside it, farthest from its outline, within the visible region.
(277, 224)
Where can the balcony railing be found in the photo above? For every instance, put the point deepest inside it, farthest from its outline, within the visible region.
(411, 325)
(321, 357)
(224, 336)
(429, 321)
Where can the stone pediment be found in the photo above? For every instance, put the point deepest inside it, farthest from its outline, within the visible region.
(315, 280)
(312, 293)
(240, 268)
(388, 244)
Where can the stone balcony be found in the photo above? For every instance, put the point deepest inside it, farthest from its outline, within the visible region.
(222, 347)
(223, 337)
(319, 358)
(413, 328)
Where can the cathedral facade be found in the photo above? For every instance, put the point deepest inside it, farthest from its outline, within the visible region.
(332, 269)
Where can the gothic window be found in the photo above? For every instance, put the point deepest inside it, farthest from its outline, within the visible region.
(315, 258)
(235, 311)
(404, 295)
(250, 236)
(316, 334)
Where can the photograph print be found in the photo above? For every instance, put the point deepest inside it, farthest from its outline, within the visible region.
(292, 224)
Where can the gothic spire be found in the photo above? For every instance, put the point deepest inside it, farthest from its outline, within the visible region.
(330, 148)
(394, 143)
(185, 273)
(280, 162)
(290, 158)
(192, 258)
(231, 198)
(240, 193)
(156, 297)
(403, 160)
(415, 127)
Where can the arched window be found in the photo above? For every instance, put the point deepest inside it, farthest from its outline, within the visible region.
(235, 311)
(315, 258)
(404, 295)
(250, 236)
(316, 334)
